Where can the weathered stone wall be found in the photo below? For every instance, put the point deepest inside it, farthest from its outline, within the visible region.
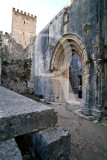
(79, 13)
(0, 70)
(20, 56)
(23, 27)
(0, 53)
(18, 48)
(103, 42)
(5, 45)
(29, 53)
(81, 23)
(16, 75)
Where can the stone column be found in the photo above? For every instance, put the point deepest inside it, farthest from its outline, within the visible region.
(86, 90)
(100, 99)
(95, 99)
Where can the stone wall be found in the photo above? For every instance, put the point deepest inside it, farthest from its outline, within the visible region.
(103, 45)
(13, 57)
(0, 53)
(29, 53)
(6, 39)
(13, 60)
(79, 14)
(83, 25)
(16, 75)
(18, 50)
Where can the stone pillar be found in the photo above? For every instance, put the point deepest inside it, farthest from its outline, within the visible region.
(99, 110)
(95, 99)
(86, 90)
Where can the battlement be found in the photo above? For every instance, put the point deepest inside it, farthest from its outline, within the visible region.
(24, 13)
(4, 33)
(1, 32)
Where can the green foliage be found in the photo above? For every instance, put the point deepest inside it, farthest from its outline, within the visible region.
(40, 96)
(48, 103)
(15, 80)
(5, 63)
(105, 46)
(85, 27)
(105, 108)
(25, 65)
(57, 97)
(38, 100)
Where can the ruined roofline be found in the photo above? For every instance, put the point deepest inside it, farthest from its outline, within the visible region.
(24, 13)
(1, 32)
(65, 8)
(69, 4)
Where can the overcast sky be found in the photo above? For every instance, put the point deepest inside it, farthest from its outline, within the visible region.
(45, 10)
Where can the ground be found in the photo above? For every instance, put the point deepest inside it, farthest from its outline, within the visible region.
(88, 138)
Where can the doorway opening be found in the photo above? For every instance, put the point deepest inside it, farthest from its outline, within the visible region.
(75, 75)
(69, 66)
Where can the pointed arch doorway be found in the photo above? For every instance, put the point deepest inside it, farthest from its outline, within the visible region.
(66, 47)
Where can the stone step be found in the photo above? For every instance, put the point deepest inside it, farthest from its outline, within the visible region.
(20, 115)
(52, 143)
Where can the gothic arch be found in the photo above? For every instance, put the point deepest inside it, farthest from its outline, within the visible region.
(65, 48)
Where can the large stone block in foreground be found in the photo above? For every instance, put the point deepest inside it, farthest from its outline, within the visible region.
(53, 143)
(9, 150)
(20, 115)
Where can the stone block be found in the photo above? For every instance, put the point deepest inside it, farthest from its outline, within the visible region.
(9, 150)
(53, 143)
(20, 115)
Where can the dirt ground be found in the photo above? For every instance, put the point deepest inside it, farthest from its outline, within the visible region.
(88, 139)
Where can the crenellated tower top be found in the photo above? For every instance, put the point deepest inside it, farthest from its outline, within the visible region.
(23, 27)
(23, 13)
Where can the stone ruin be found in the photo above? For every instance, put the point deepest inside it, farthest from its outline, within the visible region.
(79, 28)
(28, 130)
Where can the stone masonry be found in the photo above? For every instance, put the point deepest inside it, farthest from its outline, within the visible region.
(52, 143)
(0, 53)
(23, 115)
(23, 27)
(20, 116)
(16, 75)
(80, 28)
(17, 57)
(9, 150)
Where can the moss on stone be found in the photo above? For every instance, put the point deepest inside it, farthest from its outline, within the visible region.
(5, 63)
(105, 108)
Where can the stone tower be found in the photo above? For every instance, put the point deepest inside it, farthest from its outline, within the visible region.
(23, 27)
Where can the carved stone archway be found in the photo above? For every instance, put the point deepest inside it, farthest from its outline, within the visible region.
(65, 48)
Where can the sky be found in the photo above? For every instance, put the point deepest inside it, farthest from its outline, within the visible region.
(45, 10)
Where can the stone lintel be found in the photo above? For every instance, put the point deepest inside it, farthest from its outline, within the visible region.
(20, 115)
